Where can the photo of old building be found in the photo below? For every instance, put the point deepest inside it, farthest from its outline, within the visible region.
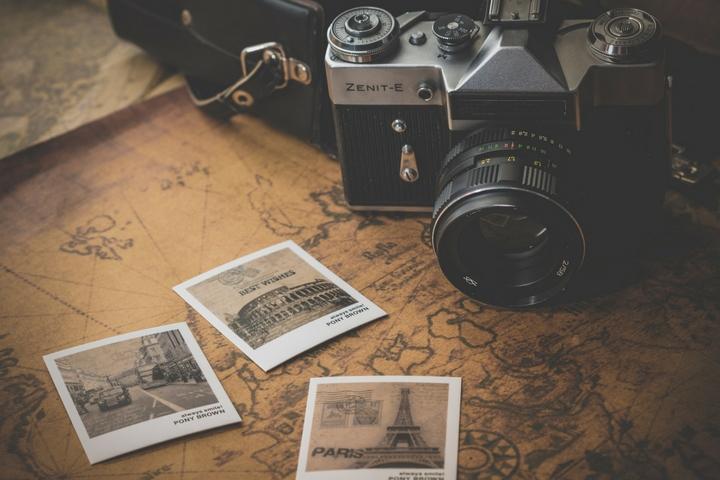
(380, 425)
(403, 445)
(276, 303)
(179, 363)
(81, 384)
(286, 308)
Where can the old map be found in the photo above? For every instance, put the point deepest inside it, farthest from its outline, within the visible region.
(98, 225)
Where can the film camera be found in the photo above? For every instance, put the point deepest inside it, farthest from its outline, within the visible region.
(538, 143)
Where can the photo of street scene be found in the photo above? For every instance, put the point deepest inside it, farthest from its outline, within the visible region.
(133, 381)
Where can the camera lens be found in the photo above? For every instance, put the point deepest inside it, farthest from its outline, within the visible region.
(502, 230)
(511, 232)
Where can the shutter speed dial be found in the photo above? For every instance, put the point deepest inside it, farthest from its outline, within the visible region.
(362, 35)
(454, 32)
(624, 35)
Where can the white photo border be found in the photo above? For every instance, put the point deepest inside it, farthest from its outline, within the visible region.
(149, 432)
(298, 340)
(452, 432)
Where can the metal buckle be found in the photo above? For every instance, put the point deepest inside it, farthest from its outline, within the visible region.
(292, 69)
(689, 171)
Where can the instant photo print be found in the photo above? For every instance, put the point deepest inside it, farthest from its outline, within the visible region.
(134, 390)
(277, 302)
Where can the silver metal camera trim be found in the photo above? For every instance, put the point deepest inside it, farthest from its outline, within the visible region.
(412, 65)
(383, 45)
(628, 49)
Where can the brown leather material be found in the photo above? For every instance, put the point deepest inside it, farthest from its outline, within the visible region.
(205, 45)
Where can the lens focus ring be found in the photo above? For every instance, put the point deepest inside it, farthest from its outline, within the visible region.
(510, 156)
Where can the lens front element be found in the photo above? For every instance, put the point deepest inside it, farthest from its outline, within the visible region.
(510, 232)
(501, 230)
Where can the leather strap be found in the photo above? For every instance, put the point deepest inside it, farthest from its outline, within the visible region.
(262, 81)
(271, 71)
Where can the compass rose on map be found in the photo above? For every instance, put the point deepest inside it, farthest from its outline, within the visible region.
(487, 455)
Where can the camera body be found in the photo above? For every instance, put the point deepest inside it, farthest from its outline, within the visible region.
(444, 110)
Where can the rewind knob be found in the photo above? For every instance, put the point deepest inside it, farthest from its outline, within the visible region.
(363, 35)
(454, 32)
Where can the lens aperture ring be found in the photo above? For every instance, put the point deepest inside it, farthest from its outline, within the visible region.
(501, 141)
(500, 156)
(521, 169)
(481, 137)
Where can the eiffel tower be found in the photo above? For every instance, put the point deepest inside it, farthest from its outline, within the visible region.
(403, 445)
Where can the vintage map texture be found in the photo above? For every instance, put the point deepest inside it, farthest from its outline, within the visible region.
(98, 225)
(62, 66)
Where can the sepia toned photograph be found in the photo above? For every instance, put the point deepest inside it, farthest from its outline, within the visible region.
(124, 383)
(270, 296)
(365, 424)
(129, 382)
(260, 302)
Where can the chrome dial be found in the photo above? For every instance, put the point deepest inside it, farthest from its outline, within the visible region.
(624, 35)
(362, 35)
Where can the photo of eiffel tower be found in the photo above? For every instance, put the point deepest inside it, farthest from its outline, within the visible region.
(403, 445)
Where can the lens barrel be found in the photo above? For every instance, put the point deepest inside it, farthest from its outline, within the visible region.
(502, 232)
